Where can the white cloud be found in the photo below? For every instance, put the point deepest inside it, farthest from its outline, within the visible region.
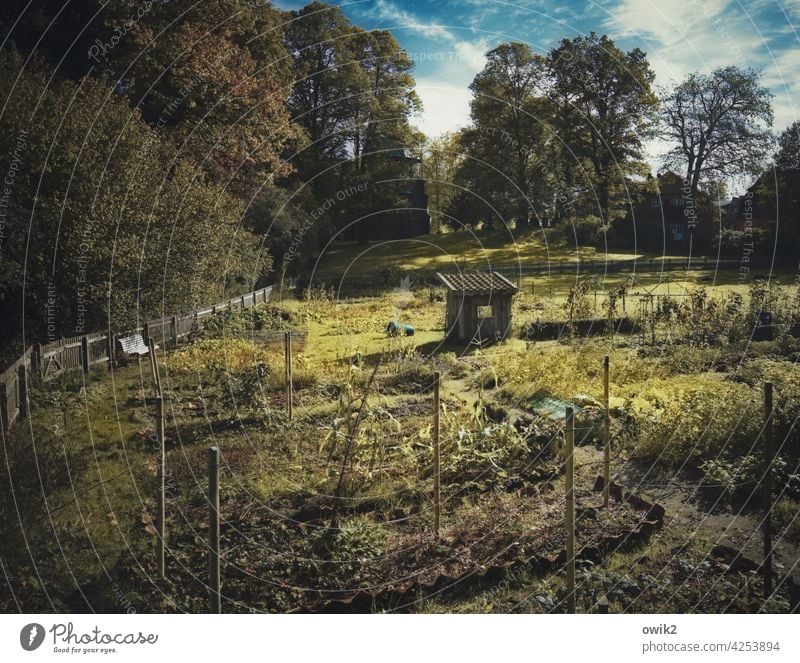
(682, 35)
(446, 107)
(472, 53)
(390, 12)
(782, 76)
(445, 100)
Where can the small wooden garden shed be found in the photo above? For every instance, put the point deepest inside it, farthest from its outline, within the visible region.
(478, 306)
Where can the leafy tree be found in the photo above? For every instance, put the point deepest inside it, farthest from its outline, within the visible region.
(329, 79)
(287, 228)
(719, 123)
(788, 155)
(511, 125)
(213, 76)
(441, 158)
(354, 97)
(106, 210)
(606, 108)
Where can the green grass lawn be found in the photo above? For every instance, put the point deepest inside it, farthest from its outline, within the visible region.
(460, 249)
(345, 264)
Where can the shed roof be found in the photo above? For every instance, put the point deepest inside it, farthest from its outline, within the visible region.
(478, 283)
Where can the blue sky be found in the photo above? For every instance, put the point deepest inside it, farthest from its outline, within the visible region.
(447, 40)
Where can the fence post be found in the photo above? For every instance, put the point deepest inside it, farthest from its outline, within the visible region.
(112, 348)
(768, 460)
(174, 329)
(241, 299)
(22, 385)
(85, 354)
(36, 360)
(569, 448)
(146, 333)
(606, 436)
(215, 602)
(287, 348)
(4, 420)
(162, 506)
(437, 486)
(154, 366)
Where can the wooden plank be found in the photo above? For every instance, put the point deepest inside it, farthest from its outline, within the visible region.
(22, 386)
(606, 436)
(437, 491)
(162, 501)
(85, 354)
(769, 458)
(5, 410)
(569, 453)
(214, 598)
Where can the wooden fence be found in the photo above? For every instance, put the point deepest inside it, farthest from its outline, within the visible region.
(46, 360)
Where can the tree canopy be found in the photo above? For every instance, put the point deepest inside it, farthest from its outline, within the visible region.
(718, 124)
(165, 151)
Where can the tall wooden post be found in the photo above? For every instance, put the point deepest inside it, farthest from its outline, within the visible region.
(22, 386)
(85, 354)
(162, 466)
(769, 453)
(36, 360)
(569, 448)
(287, 346)
(606, 436)
(5, 421)
(437, 487)
(173, 324)
(154, 366)
(214, 599)
(111, 349)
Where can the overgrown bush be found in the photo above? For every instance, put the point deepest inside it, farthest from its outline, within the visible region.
(356, 540)
(243, 323)
(786, 518)
(742, 477)
(687, 421)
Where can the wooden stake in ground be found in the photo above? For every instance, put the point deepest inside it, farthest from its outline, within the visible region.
(85, 354)
(214, 599)
(569, 449)
(162, 506)
(606, 436)
(769, 453)
(22, 391)
(437, 488)
(287, 348)
(154, 366)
